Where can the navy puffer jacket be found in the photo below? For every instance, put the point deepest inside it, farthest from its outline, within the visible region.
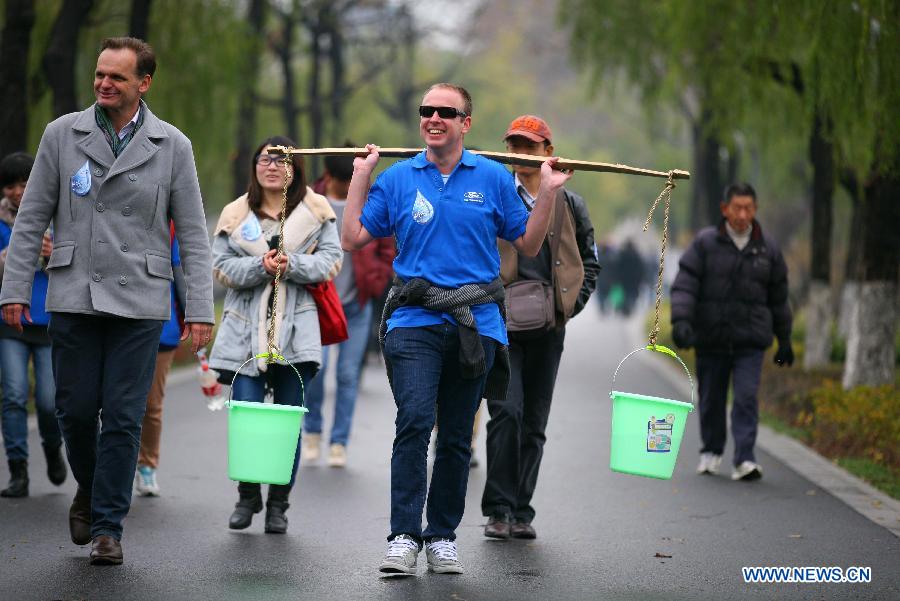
(733, 299)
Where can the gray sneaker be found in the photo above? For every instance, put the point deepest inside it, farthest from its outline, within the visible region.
(401, 556)
(442, 558)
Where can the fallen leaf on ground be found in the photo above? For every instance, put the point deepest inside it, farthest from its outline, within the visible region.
(662, 555)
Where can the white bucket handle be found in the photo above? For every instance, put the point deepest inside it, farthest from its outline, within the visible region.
(659, 349)
(276, 356)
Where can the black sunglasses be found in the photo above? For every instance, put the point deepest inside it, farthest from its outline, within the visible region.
(444, 112)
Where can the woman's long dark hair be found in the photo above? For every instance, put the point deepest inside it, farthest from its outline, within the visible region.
(297, 188)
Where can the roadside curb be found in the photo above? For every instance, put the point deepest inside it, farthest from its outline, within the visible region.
(859, 495)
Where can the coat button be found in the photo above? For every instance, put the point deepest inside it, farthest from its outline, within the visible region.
(123, 280)
(97, 277)
(565, 289)
(551, 234)
(126, 211)
(132, 177)
(100, 207)
(559, 262)
(124, 247)
(98, 171)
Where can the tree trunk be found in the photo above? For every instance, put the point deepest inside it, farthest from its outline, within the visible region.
(338, 75)
(246, 123)
(314, 85)
(852, 271)
(14, 46)
(708, 187)
(873, 325)
(139, 23)
(289, 96)
(62, 50)
(817, 348)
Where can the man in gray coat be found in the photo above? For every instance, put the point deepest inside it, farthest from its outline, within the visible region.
(109, 178)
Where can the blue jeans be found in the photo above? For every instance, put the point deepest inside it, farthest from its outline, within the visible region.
(287, 390)
(349, 367)
(103, 365)
(14, 355)
(428, 387)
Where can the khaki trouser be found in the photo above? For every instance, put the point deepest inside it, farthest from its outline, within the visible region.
(152, 428)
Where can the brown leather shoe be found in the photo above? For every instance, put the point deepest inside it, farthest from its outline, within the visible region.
(522, 530)
(497, 527)
(106, 551)
(80, 518)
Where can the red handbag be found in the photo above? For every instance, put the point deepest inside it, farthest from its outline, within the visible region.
(332, 321)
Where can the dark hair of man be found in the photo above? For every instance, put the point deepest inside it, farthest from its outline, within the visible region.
(146, 58)
(297, 188)
(467, 98)
(739, 189)
(15, 168)
(340, 168)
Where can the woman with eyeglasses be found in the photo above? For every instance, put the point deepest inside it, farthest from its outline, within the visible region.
(245, 260)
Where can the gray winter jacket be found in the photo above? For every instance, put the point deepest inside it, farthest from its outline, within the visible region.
(111, 246)
(314, 255)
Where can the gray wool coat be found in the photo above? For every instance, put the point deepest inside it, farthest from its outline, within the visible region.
(111, 248)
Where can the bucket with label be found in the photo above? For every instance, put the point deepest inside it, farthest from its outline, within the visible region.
(262, 437)
(647, 430)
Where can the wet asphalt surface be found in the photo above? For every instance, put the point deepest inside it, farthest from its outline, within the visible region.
(601, 534)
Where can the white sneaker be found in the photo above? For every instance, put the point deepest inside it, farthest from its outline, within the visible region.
(709, 463)
(145, 481)
(337, 456)
(442, 557)
(401, 556)
(310, 452)
(748, 470)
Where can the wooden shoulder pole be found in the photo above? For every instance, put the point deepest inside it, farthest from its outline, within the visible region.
(525, 160)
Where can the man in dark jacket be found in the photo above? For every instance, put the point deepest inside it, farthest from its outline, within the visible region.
(568, 270)
(730, 297)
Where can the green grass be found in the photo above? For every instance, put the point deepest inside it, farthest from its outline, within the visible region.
(782, 427)
(881, 477)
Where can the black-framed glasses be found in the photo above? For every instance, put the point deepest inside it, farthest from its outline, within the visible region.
(264, 160)
(444, 112)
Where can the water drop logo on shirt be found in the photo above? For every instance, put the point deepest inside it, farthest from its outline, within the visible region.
(422, 211)
(251, 230)
(81, 181)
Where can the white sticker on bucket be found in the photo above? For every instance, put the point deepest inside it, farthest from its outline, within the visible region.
(659, 434)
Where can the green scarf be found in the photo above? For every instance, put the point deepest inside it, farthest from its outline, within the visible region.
(115, 143)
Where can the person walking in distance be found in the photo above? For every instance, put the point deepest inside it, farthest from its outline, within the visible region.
(364, 275)
(729, 299)
(17, 347)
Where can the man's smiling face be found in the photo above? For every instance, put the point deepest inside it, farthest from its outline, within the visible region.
(438, 133)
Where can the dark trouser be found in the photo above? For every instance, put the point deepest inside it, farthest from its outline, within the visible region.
(103, 367)
(515, 433)
(426, 380)
(287, 390)
(713, 372)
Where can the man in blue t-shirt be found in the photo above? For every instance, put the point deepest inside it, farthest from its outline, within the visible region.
(444, 337)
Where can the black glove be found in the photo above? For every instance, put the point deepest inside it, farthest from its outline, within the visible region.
(785, 354)
(683, 334)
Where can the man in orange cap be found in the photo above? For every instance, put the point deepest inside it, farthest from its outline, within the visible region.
(562, 277)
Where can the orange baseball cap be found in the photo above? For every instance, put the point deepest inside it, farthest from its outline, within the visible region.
(531, 127)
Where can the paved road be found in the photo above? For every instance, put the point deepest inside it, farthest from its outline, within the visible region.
(599, 532)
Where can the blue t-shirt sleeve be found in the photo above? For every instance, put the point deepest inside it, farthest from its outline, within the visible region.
(376, 214)
(514, 216)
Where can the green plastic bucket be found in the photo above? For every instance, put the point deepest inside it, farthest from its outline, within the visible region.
(262, 437)
(647, 430)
